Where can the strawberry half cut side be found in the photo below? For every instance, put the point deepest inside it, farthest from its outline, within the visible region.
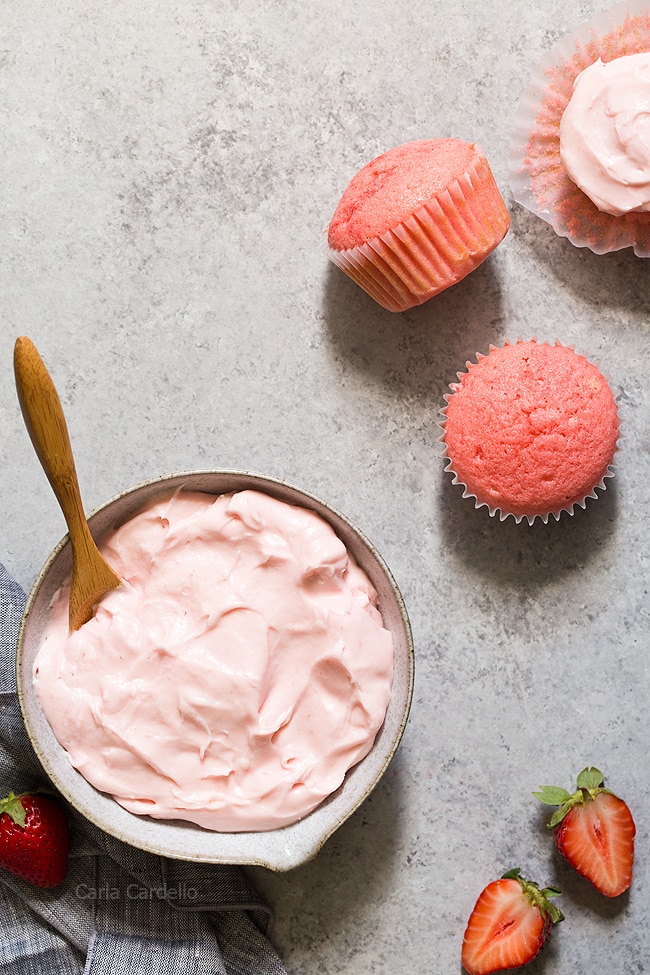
(594, 831)
(510, 923)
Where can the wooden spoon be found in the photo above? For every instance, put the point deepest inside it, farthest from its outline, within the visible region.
(45, 422)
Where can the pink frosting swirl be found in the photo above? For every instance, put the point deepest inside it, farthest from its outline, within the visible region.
(234, 677)
(605, 134)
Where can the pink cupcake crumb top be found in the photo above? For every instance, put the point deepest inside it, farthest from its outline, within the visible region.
(531, 429)
(391, 187)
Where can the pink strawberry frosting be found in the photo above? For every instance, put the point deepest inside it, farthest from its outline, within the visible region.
(605, 134)
(237, 674)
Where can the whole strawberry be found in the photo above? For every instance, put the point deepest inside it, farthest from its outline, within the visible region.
(594, 831)
(34, 838)
(510, 923)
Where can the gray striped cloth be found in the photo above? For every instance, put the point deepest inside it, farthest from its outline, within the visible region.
(119, 910)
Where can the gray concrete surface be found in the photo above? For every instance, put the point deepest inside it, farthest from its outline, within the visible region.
(168, 170)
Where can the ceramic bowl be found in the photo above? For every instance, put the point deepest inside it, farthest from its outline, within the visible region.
(280, 849)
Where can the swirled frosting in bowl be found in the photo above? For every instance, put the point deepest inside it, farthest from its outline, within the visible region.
(605, 134)
(237, 674)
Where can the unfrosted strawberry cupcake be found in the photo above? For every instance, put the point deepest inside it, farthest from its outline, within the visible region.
(530, 430)
(580, 151)
(416, 220)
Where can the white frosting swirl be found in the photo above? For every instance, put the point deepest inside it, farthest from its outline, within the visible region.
(605, 134)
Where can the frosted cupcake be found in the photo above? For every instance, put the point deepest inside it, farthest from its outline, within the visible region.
(416, 220)
(580, 151)
(530, 430)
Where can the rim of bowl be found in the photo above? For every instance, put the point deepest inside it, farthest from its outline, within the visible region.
(288, 846)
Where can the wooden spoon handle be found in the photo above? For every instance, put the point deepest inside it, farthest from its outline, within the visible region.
(92, 577)
(46, 425)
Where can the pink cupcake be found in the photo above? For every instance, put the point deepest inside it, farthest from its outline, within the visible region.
(580, 151)
(416, 220)
(530, 430)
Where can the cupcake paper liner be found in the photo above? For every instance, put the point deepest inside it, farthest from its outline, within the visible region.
(500, 511)
(437, 246)
(538, 179)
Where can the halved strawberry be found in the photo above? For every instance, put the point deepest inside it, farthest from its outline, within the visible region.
(511, 920)
(594, 831)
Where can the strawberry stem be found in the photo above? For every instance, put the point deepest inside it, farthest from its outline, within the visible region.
(590, 783)
(539, 898)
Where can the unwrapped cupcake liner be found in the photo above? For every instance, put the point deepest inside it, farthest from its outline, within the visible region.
(538, 179)
(500, 511)
(437, 246)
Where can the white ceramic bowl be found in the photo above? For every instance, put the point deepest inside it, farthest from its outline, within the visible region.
(280, 849)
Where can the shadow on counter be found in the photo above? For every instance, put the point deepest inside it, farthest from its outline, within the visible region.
(511, 552)
(616, 281)
(416, 353)
(352, 872)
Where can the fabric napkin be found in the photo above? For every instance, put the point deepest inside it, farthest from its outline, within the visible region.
(119, 910)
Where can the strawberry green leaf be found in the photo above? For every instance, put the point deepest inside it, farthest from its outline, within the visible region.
(554, 913)
(590, 778)
(552, 892)
(551, 795)
(13, 807)
(562, 810)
